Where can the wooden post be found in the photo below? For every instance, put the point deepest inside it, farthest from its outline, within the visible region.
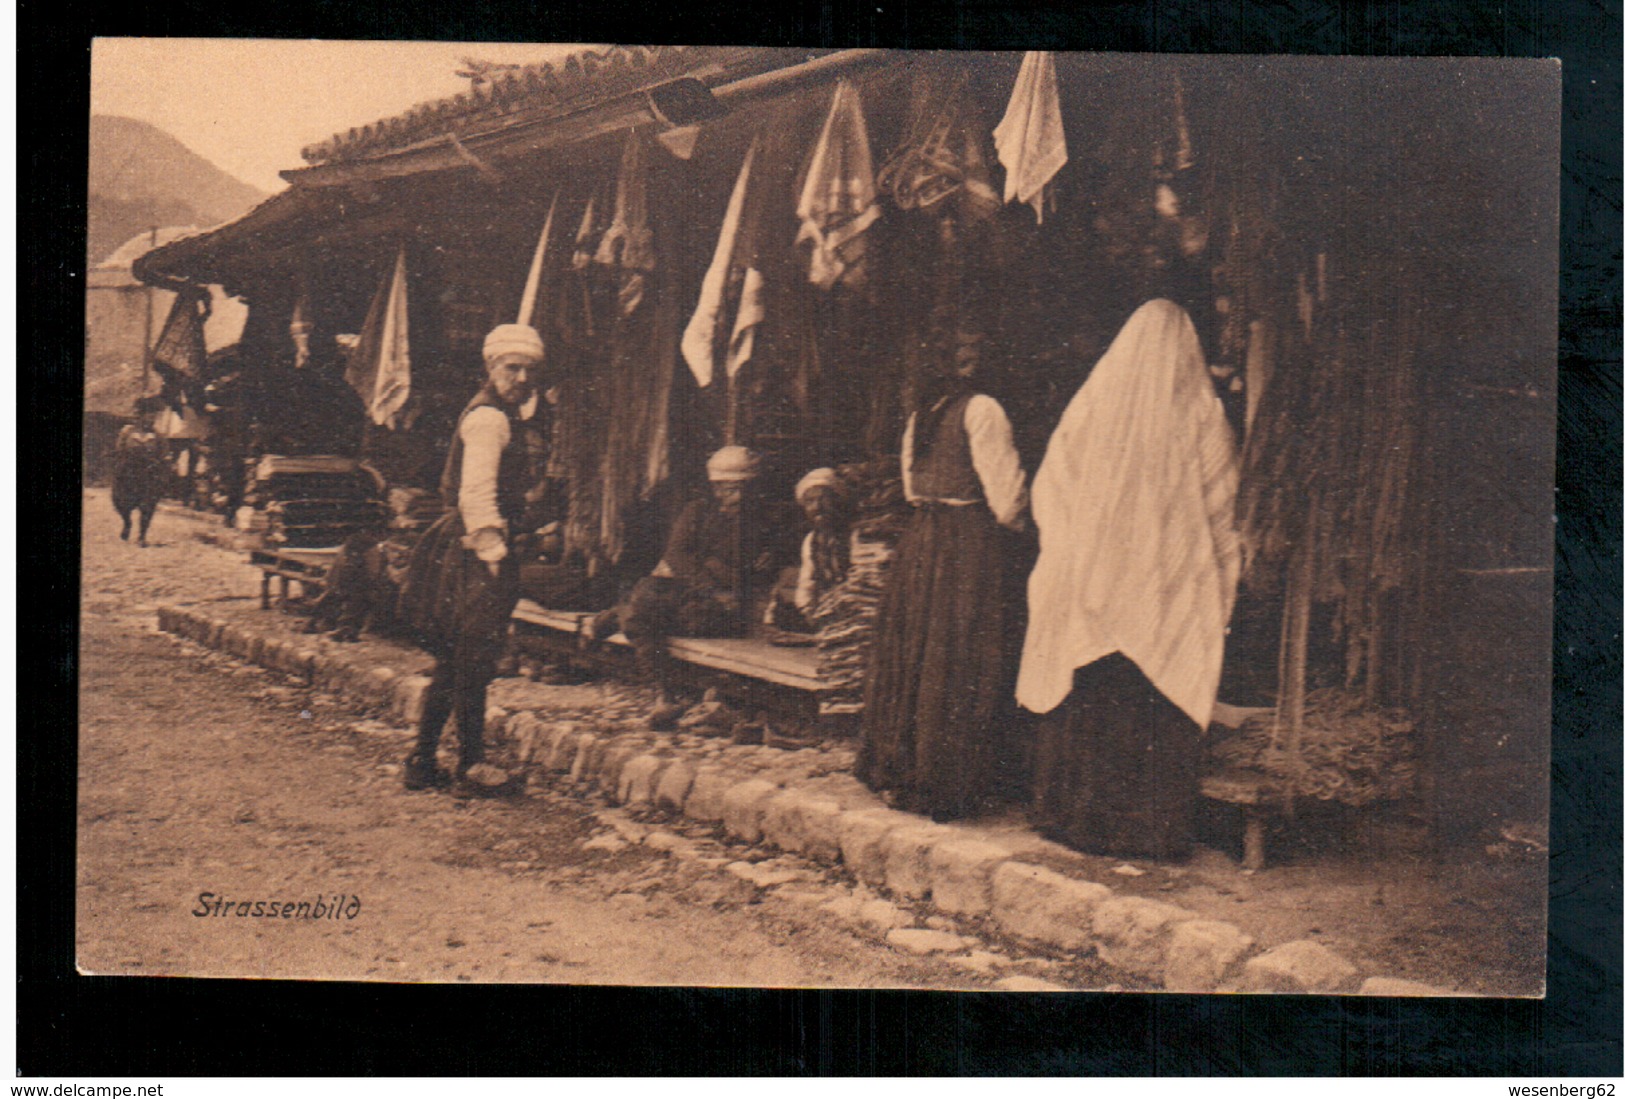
(1252, 843)
(146, 325)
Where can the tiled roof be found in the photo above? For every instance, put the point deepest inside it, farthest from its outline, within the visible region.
(590, 75)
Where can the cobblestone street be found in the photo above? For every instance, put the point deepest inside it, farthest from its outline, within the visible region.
(200, 774)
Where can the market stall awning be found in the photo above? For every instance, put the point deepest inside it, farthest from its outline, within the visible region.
(520, 116)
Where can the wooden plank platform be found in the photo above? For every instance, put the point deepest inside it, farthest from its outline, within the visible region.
(307, 566)
(796, 668)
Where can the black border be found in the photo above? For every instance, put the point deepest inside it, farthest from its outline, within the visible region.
(71, 1025)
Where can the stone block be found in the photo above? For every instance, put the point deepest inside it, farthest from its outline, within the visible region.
(742, 807)
(763, 875)
(331, 675)
(908, 858)
(233, 641)
(862, 835)
(1395, 986)
(962, 875)
(562, 743)
(638, 780)
(883, 915)
(675, 782)
(586, 745)
(307, 660)
(1018, 983)
(406, 697)
(1202, 954)
(1131, 933)
(381, 690)
(1042, 906)
(270, 653)
(921, 940)
(214, 634)
(523, 731)
(805, 824)
(254, 648)
(1298, 966)
(613, 760)
(705, 795)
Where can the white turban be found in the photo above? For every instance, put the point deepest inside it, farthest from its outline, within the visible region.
(731, 463)
(818, 478)
(513, 339)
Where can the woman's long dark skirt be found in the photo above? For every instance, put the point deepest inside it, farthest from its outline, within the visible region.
(1116, 766)
(937, 702)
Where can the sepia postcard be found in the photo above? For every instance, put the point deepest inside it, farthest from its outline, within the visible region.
(818, 518)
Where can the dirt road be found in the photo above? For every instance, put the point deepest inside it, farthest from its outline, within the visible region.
(204, 783)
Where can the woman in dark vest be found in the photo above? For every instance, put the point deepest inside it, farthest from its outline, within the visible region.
(463, 580)
(942, 666)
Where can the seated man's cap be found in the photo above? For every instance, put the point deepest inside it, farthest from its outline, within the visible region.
(514, 339)
(818, 478)
(731, 463)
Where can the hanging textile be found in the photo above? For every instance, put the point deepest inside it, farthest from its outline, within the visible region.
(299, 329)
(837, 203)
(380, 368)
(588, 235)
(1031, 140)
(180, 345)
(733, 277)
(628, 243)
(538, 262)
(941, 156)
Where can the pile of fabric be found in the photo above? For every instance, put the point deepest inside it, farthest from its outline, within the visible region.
(846, 615)
(1351, 752)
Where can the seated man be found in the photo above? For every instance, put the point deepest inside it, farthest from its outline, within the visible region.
(694, 590)
(825, 554)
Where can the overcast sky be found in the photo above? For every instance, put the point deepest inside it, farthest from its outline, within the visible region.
(250, 105)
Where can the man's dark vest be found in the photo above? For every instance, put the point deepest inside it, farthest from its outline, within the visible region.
(513, 474)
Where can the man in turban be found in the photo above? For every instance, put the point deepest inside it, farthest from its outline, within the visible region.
(695, 589)
(463, 580)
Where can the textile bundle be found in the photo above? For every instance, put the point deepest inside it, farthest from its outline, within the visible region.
(837, 201)
(940, 157)
(733, 273)
(380, 370)
(846, 614)
(1031, 140)
(628, 242)
(1135, 506)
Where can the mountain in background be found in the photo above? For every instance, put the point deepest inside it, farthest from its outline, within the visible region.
(140, 177)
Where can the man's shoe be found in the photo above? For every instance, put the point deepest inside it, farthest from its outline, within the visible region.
(664, 717)
(420, 774)
(485, 781)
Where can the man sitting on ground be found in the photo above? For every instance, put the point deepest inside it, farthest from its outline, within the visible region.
(695, 589)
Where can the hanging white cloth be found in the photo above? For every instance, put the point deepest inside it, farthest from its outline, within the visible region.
(837, 202)
(1135, 507)
(1031, 140)
(732, 264)
(381, 370)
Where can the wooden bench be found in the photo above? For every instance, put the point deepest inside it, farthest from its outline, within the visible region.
(790, 668)
(307, 566)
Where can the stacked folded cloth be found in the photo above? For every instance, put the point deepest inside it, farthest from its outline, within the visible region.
(846, 615)
(313, 501)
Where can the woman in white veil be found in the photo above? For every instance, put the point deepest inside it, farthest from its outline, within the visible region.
(1128, 603)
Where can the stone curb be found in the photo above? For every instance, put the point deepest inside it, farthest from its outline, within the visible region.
(956, 868)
